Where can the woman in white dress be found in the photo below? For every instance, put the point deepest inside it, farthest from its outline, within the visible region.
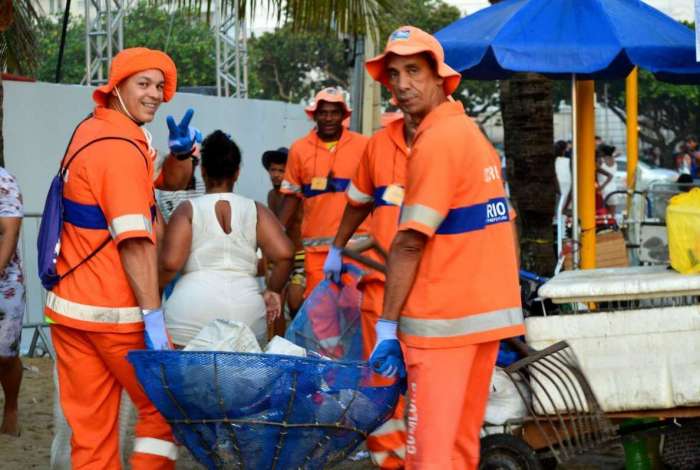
(213, 240)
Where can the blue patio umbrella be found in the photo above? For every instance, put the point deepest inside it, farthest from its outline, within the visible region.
(594, 39)
(583, 39)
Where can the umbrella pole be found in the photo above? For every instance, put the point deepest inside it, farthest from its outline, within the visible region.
(632, 102)
(574, 175)
(585, 118)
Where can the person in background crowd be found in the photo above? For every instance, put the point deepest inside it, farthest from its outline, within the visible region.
(318, 173)
(275, 162)
(605, 169)
(687, 159)
(11, 300)
(213, 239)
(169, 200)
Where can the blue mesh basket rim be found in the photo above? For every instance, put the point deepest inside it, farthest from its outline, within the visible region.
(270, 357)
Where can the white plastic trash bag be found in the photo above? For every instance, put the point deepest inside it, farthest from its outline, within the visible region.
(225, 336)
(279, 345)
(505, 401)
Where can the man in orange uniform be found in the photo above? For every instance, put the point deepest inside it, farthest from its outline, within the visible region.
(377, 188)
(318, 171)
(108, 297)
(452, 285)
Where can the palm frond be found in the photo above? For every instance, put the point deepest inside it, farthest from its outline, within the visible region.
(342, 16)
(18, 45)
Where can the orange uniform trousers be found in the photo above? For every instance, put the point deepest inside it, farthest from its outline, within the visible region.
(313, 267)
(387, 444)
(92, 369)
(447, 393)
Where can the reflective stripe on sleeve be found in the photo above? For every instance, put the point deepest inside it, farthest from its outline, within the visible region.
(130, 223)
(421, 214)
(358, 196)
(446, 328)
(287, 186)
(321, 241)
(92, 313)
(153, 446)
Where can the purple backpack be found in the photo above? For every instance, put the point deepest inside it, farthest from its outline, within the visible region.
(58, 209)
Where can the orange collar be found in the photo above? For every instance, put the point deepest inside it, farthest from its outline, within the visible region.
(446, 109)
(396, 134)
(125, 125)
(345, 137)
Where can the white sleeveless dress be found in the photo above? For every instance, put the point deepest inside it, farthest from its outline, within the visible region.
(218, 280)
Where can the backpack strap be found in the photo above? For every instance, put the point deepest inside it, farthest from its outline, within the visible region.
(62, 171)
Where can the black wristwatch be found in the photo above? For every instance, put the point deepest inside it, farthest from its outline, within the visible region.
(182, 156)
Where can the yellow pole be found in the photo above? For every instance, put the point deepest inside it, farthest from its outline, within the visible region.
(632, 99)
(585, 149)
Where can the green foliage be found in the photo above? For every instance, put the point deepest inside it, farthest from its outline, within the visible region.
(667, 113)
(188, 40)
(289, 66)
(18, 44)
(73, 68)
(428, 15)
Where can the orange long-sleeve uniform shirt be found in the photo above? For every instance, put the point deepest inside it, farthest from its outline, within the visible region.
(466, 289)
(380, 180)
(320, 176)
(110, 185)
(96, 319)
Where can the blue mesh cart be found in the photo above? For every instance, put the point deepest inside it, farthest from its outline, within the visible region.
(260, 411)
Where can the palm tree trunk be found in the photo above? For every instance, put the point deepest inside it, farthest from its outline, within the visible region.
(2, 112)
(526, 107)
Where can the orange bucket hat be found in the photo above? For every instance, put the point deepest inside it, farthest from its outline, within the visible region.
(409, 40)
(330, 95)
(133, 60)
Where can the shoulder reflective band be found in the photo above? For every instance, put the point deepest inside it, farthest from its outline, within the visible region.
(476, 217)
(467, 325)
(379, 197)
(130, 223)
(421, 214)
(84, 215)
(287, 186)
(358, 196)
(335, 185)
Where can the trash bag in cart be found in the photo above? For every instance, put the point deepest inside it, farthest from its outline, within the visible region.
(328, 322)
(264, 411)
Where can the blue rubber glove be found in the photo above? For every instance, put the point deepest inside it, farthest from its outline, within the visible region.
(334, 264)
(386, 358)
(182, 137)
(156, 335)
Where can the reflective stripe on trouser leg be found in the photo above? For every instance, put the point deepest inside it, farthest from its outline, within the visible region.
(387, 443)
(157, 451)
(152, 446)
